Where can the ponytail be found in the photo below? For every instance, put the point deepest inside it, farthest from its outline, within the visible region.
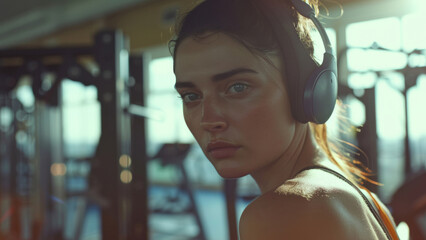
(339, 153)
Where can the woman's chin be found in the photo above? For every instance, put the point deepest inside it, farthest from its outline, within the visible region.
(229, 173)
(230, 167)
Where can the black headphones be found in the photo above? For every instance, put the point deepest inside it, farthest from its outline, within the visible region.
(312, 89)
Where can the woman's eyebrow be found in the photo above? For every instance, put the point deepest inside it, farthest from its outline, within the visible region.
(184, 85)
(217, 77)
(230, 73)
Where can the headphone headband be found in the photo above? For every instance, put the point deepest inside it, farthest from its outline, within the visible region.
(305, 10)
(312, 89)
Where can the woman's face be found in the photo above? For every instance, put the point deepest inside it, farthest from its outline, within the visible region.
(234, 103)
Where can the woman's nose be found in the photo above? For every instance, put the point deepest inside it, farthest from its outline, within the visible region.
(213, 119)
(216, 126)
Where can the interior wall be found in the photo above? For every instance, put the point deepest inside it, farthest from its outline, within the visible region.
(149, 23)
(146, 25)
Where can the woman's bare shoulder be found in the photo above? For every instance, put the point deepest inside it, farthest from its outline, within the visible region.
(305, 208)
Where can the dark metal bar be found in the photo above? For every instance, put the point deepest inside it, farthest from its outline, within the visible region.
(81, 212)
(230, 196)
(49, 145)
(140, 111)
(138, 219)
(407, 148)
(43, 52)
(109, 45)
(367, 138)
(14, 69)
(193, 206)
(115, 140)
(410, 81)
(14, 193)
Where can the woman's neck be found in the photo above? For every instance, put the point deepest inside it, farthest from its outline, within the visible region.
(301, 153)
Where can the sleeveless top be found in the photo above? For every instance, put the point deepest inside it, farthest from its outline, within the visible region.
(375, 208)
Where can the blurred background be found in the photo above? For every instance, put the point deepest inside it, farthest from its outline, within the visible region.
(92, 140)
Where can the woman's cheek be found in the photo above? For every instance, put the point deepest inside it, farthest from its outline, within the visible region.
(188, 118)
(249, 109)
(192, 118)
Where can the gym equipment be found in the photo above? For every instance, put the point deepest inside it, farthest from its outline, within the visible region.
(408, 205)
(123, 206)
(174, 203)
(115, 95)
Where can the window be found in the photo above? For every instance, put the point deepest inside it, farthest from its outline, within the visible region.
(81, 119)
(169, 126)
(380, 52)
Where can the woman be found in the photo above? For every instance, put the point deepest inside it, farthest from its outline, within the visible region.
(239, 104)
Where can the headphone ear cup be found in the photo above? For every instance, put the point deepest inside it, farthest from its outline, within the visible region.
(320, 93)
(324, 97)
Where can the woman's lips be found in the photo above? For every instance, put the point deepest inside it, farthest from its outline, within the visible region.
(221, 150)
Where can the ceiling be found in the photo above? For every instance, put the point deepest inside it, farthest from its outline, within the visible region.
(23, 20)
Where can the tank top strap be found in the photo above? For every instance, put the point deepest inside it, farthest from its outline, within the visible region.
(371, 203)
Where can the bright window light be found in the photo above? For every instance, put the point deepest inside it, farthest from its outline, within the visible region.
(79, 100)
(403, 231)
(319, 46)
(161, 76)
(162, 96)
(365, 60)
(413, 31)
(390, 107)
(356, 111)
(385, 32)
(362, 80)
(417, 114)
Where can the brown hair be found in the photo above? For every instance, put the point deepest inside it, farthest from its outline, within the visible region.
(241, 20)
(338, 150)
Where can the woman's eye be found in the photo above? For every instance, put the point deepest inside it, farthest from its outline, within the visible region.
(238, 88)
(189, 97)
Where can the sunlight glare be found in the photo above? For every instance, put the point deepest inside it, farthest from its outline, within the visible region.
(403, 231)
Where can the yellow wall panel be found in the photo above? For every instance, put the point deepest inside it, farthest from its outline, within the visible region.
(81, 34)
(143, 24)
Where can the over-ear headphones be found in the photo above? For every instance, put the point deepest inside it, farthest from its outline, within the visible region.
(312, 89)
